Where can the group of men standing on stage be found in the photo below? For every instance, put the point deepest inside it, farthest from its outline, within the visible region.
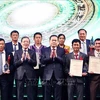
(26, 64)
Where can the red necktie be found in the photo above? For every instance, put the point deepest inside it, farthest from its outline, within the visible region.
(76, 56)
(53, 53)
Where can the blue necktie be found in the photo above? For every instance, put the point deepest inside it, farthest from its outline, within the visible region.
(1, 63)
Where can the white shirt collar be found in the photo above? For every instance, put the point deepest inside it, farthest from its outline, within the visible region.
(25, 49)
(54, 48)
(83, 41)
(96, 53)
(3, 51)
(77, 53)
(14, 44)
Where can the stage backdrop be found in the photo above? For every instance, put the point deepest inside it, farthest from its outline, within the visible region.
(49, 17)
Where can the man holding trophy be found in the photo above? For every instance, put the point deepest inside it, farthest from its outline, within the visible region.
(5, 69)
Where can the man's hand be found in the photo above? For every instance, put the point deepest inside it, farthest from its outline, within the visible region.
(7, 72)
(91, 72)
(70, 74)
(28, 56)
(22, 57)
(84, 74)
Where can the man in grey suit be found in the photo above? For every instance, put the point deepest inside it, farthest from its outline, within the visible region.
(75, 81)
(52, 58)
(95, 77)
(24, 61)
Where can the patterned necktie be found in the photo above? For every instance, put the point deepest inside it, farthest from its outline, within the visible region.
(1, 63)
(14, 49)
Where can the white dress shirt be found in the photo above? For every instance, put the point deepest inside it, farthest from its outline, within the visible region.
(16, 46)
(83, 47)
(76, 55)
(3, 60)
(97, 54)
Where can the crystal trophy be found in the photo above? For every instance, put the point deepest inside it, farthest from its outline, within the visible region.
(6, 66)
(91, 44)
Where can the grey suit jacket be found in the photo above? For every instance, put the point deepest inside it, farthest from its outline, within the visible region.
(94, 77)
(26, 67)
(67, 66)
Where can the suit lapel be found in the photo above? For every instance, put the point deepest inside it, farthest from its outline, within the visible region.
(72, 55)
(6, 55)
(11, 46)
(19, 45)
(87, 44)
(20, 53)
(80, 55)
(58, 51)
(49, 51)
(29, 52)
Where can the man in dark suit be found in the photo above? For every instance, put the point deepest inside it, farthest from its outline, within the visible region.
(11, 47)
(75, 81)
(38, 47)
(24, 61)
(14, 44)
(6, 61)
(52, 58)
(95, 77)
(85, 43)
(86, 46)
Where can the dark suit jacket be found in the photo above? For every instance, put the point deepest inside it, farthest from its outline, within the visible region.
(9, 47)
(94, 77)
(88, 44)
(52, 64)
(25, 67)
(67, 66)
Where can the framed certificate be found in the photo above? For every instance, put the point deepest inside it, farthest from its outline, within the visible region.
(76, 67)
(94, 65)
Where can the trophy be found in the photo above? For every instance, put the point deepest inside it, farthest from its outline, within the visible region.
(6, 66)
(91, 44)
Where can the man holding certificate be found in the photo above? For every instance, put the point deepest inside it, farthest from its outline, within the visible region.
(94, 69)
(76, 68)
